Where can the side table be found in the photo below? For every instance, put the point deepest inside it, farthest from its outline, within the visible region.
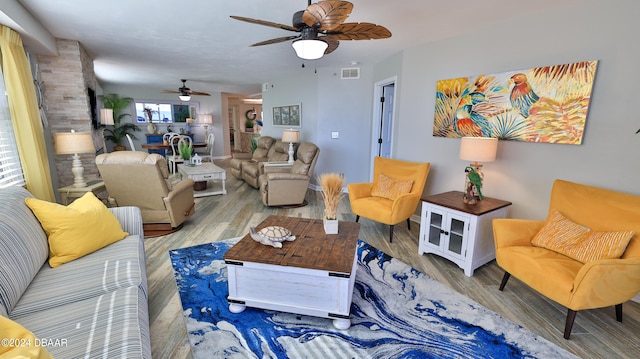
(67, 192)
(460, 232)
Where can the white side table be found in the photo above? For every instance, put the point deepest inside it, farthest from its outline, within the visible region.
(67, 192)
(460, 232)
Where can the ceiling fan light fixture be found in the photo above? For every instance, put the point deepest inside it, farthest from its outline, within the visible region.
(184, 98)
(312, 49)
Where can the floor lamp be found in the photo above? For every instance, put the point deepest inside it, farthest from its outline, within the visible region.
(74, 143)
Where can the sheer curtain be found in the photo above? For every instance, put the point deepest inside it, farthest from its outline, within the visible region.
(25, 116)
(10, 169)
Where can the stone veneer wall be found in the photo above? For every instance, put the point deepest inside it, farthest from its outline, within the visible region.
(66, 78)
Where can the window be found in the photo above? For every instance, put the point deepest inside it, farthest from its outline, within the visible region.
(165, 112)
(10, 169)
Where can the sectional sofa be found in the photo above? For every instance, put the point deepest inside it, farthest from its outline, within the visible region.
(92, 306)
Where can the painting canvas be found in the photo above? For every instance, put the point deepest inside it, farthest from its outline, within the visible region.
(288, 116)
(543, 104)
(180, 113)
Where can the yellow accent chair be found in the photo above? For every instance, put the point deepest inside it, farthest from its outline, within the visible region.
(394, 194)
(597, 283)
(140, 179)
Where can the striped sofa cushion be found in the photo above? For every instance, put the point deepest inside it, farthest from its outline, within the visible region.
(116, 266)
(112, 325)
(23, 246)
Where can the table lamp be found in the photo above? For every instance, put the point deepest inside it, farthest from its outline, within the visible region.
(476, 149)
(291, 136)
(206, 119)
(73, 143)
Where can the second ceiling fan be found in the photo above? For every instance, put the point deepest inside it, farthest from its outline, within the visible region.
(321, 27)
(185, 93)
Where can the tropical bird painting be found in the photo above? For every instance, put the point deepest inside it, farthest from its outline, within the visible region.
(544, 104)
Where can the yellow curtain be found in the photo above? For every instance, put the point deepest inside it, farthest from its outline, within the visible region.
(25, 116)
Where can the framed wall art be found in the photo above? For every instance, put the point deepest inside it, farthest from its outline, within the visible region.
(543, 104)
(287, 116)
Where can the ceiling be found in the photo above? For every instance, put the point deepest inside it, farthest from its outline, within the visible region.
(155, 43)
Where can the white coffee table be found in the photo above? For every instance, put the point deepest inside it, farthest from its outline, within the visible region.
(204, 173)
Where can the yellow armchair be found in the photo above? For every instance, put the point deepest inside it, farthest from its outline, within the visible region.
(367, 203)
(575, 285)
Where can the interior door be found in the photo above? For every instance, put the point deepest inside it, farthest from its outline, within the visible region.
(386, 120)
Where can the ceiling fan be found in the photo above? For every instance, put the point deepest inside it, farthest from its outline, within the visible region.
(185, 93)
(321, 26)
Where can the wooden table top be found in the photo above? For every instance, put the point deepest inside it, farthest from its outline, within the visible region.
(312, 249)
(453, 200)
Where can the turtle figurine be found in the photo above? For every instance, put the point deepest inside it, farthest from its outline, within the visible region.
(272, 235)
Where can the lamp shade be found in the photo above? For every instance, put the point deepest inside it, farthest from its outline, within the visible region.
(205, 118)
(69, 143)
(478, 149)
(106, 116)
(291, 136)
(309, 49)
(184, 98)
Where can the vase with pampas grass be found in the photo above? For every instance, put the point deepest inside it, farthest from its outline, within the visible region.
(331, 184)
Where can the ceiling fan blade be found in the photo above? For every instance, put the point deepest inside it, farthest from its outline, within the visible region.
(359, 31)
(265, 23)
(333, 44)
(198, 93)
(275, 41)
(327, 15)
(170, 91)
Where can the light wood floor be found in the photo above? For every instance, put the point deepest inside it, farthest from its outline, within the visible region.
(596, 334)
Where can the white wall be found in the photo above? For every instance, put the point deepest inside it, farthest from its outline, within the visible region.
(329, 104)
(524, 172)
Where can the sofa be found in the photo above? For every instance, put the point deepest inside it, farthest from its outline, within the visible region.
(585, 255)
(252, 170)
(260, 154)
(92, 306)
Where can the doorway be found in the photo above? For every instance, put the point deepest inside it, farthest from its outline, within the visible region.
(383, 119)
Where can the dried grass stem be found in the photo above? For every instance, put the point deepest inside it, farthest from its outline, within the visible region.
(331, 184)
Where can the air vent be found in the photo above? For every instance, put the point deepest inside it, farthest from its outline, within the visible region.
(351, 73)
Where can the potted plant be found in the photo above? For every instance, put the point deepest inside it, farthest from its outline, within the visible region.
(119, 130)
(331, 184)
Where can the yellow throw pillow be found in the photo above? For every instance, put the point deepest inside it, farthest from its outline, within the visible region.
(563, 236)
(390, 188)
(593, 246)
(18, 342)
(557, 232)
(78, 229)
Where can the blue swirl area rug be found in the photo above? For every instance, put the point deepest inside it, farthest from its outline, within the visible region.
(397, 312)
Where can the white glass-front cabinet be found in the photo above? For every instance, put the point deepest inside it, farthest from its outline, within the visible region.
(459, 232)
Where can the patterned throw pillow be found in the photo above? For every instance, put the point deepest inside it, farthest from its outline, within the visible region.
(561, 235)
(390, 188)
(558, 231)
(598, 245)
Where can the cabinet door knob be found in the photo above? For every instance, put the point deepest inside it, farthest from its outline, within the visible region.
(445, 232)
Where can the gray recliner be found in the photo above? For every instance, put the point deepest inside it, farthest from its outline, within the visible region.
(140, 179)
(260, 154)
(290, 188)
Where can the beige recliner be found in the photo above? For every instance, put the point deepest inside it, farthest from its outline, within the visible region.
(290, 188)
(260, 154)
(140, 179)
(251, 171)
